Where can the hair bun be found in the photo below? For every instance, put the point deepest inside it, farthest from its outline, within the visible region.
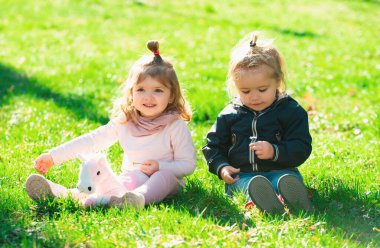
(254, 37)
(153, 45)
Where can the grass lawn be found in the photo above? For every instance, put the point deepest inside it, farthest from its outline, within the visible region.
(61, 65)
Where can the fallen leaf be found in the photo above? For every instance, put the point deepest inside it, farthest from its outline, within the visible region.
(351, 91)
(311, 110)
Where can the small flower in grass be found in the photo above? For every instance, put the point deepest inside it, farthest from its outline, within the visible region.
(357, 131)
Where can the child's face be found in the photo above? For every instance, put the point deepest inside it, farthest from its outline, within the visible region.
(150, 97)
(257, 88)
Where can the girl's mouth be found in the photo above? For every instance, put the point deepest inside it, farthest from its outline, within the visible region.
(149, 105)
(255, 104)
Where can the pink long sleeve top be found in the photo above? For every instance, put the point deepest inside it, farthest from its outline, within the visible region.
(172, 147)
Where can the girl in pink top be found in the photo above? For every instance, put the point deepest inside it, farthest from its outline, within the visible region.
(149, 121)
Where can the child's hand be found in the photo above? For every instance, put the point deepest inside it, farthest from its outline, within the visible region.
(264, 149)
(149, 167)
(43, 163)
(227, 172)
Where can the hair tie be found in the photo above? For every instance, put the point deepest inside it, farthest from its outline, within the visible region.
(252, 43)
(157, 52)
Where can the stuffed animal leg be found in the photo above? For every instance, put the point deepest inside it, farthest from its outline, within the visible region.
(95, 200)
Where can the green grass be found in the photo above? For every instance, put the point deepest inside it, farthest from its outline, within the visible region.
(61, 65)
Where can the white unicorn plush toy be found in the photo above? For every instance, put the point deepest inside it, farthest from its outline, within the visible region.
(97, 179)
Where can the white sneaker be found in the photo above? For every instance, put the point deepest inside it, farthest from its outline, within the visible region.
(136, 200)
(39, 188)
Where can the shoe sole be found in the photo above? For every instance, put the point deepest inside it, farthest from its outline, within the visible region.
(38, 188)
(128, 199)
(294, 193)
(264, 196)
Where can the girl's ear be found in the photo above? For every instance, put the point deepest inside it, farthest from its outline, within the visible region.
(81, 157)
(171, 100)
(278, 84)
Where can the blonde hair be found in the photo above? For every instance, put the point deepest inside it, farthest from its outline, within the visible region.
(160, 69)
(251, 53)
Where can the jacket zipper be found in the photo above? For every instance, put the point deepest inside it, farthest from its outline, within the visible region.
(253, 140)
(233, 143)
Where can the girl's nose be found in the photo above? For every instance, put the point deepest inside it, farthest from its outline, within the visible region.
(253, 97)
(148, 95)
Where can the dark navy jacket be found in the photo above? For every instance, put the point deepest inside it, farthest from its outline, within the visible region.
(284, 124)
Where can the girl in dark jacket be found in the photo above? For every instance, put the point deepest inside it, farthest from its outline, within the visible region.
(262, 136)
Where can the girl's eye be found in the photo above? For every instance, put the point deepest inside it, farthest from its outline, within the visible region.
(262, 90)
(140, 90)
(245, 91)
(98, 173)
(158, 90)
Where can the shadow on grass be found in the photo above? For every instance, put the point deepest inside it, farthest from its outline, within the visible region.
(346, 208)
(33, 226)
(212, 205)
(375, 2)
(299, 34)
(17, 231)
(14, 83)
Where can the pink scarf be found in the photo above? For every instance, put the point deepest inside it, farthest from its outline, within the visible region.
(144, 126)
